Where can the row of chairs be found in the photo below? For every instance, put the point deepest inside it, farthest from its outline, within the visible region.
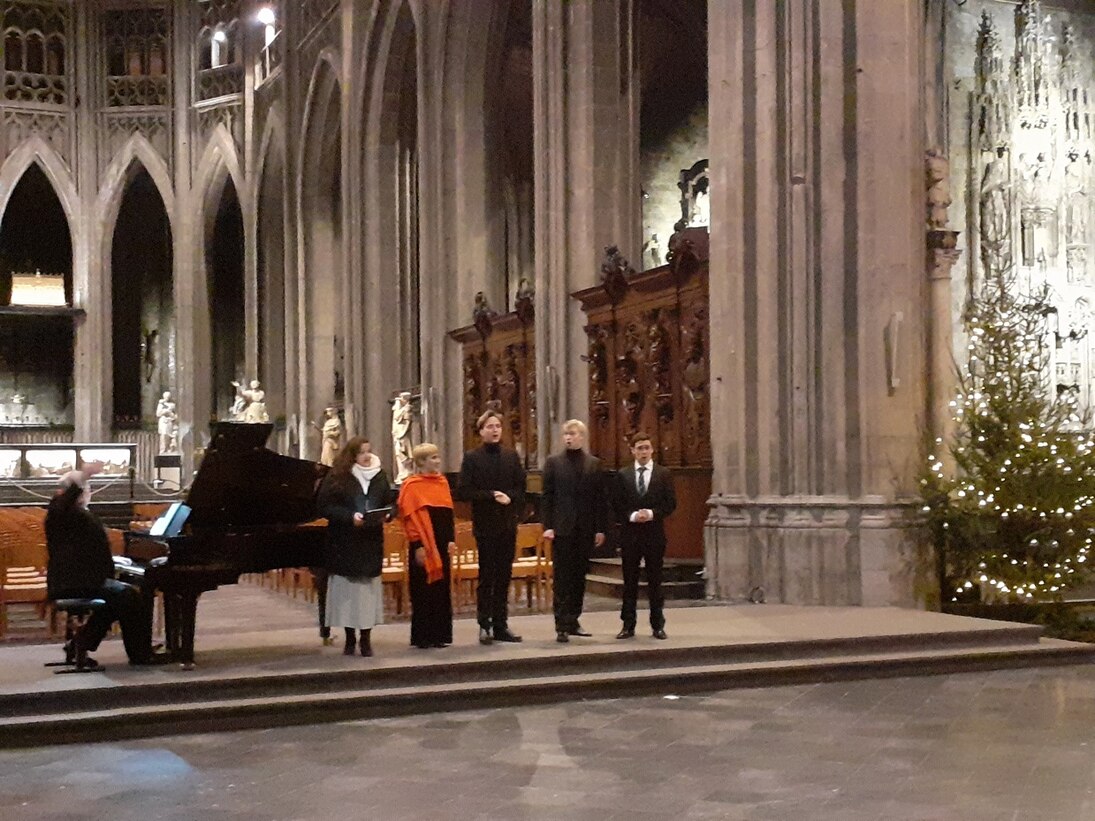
(531, 567)
(24, 560)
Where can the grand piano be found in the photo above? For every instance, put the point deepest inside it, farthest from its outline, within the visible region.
(252, 510)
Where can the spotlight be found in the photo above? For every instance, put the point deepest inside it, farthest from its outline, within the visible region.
(266, 16)
(220, 36)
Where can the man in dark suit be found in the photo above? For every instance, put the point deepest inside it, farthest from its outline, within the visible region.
(643, 498)
(574, 509)
(493, 480)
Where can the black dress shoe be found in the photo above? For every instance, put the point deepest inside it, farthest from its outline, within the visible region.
(485, 636)
(626, 633)
(660, 634)
(578, 631)
(562, 637)
(506, 635)
(152, 659)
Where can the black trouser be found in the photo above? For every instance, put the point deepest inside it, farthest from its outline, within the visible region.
(495, 571)
(126, 605)
(636, 549)
(570, 561)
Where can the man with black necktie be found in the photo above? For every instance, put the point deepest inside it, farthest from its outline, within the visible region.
(643, 498)
(575, 513)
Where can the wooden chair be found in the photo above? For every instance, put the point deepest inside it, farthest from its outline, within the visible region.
(465, 567)
(526, 562)
(547, 570)
(22, 576)
(394, 572)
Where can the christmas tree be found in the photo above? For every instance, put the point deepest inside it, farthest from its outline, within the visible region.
(1012, 515)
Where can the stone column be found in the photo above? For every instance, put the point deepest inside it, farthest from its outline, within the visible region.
(192, 331)
(587, 194)
(93, 349)
(818, 389)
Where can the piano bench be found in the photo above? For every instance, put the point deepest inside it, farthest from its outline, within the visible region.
(76, 612)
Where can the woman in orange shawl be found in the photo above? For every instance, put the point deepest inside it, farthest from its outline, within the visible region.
(425, 507)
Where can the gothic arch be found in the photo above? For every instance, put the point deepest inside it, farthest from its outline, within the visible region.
(321, 259)
(219, 161)
(270, 229)
(219, 167)
(37, 150)
(137, 150)
(387, 254)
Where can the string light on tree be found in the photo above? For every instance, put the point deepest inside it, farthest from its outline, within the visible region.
(1013, 516)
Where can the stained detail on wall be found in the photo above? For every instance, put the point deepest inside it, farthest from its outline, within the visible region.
(1032, 148)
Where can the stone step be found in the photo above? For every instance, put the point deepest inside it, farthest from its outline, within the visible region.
(368, 695)
(613, 588)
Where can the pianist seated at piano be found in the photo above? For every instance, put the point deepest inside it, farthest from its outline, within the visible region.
(81, 566)
(425, 507)
(355, 488)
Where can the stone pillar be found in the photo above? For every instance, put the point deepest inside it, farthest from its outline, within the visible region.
(587, 191)
(817, 386)
(93, 351)
(192, 327)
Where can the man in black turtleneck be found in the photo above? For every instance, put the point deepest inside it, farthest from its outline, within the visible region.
(493, 480)
(574, 510)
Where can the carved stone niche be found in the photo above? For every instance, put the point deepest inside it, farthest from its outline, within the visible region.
(648, 371)
(498, 359)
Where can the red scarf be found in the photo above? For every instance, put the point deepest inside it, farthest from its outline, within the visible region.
(420, 491)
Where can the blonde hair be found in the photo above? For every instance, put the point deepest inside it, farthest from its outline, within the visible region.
(575, 424)
(423, 452)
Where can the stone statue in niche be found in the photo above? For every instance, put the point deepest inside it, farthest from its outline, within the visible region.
(330, 436)
(250, 404)
(1038, 213)
(1076, 201)
(995, 217)
(652, 252)
(937, 180)
(402, 445)
(701, 210)
(167, 424)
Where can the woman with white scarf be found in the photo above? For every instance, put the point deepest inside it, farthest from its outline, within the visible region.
(355, 486)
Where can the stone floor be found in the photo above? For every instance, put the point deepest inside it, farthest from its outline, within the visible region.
(1003, 745)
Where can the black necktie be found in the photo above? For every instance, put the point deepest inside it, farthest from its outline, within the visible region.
(642, 480)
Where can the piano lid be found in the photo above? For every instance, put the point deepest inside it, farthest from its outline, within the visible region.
(242, 485)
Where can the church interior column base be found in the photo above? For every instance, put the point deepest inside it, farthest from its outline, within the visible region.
(814, 550)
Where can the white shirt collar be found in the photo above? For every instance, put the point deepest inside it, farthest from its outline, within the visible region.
(649, 467)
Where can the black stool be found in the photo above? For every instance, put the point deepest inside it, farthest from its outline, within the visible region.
(77, 612)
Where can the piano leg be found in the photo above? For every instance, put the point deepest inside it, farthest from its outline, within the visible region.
(188, 612)
(172, 635)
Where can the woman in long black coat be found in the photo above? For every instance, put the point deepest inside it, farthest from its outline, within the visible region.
(355, 486)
